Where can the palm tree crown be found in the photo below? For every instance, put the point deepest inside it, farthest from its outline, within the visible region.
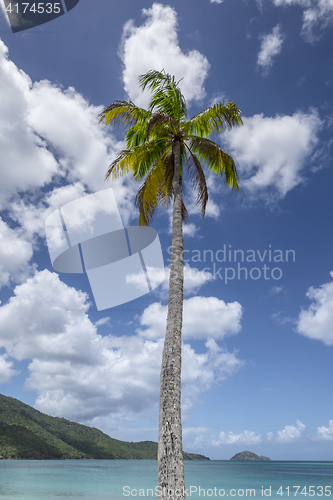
(151, 138)
(160, 142)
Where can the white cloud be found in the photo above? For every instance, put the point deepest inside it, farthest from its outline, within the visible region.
(271, 46)
(25, 161)
(154, 45)
(269, 436)
(246, 438)
(193, 280)
(72, 367)
(6, 369)
(274, 290)
(317, 16)
(224, 319)
(40, 122)
(71, 126)
(205, 436)
(82, 375)
(325, 433)
(40, 117)
(270, 153)
(291, 433)
(46, 318)
(31, 216)
(304, 3)
(15, 255)
(103, 321)
(201, 371)
(190, 229)
(316, 322)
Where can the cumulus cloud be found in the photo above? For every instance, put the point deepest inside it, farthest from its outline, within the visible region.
(190, 229)
(6, 369)
(291, 433)
(201, 437)
(48, 135)
(201, 371)
(317, 16)
(25, 160)
(246, 438)
(34, 324)
(316, 321)
(193, 280)
(304, 3)
(271, 46)
(270, 152)
(315, 19)
(15, 255)
(71, 126)
(41, 118)
(224, 319)
(155, 45)
(325, 433)
(82, 375)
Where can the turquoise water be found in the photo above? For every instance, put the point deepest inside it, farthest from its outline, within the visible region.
(121, 479)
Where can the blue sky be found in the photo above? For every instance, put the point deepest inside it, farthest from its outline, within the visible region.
(257, 354)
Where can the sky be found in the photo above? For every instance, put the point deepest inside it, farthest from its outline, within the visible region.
(258, 293)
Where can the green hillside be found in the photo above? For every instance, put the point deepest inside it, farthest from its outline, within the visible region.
(26, 433)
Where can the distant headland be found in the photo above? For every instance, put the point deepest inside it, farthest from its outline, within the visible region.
(26, 433)
(249, 457)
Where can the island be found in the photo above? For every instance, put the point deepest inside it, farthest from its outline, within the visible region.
(248, 456)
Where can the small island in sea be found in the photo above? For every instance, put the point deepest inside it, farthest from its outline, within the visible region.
(28, 434)
(249, 456)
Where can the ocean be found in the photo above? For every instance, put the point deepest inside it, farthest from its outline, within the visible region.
(121, 479)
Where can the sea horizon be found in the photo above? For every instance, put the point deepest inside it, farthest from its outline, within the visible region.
(95, 479)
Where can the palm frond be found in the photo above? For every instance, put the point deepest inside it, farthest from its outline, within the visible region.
(152, 192)
(198, 179)
(135, 135)
(216, 159)
(138, 160)
(214, 119)
(166, 94)
(154, 79)
(124, 112)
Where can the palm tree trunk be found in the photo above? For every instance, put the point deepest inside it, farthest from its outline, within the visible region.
(170, 449)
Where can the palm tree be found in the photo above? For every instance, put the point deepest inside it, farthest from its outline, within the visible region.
(160, 142)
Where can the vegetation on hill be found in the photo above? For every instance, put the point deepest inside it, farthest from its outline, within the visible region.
(26, 433)
(249, 456)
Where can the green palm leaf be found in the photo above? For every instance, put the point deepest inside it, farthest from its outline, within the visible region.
(217, 160)
(139, 160)
(214, 119)
(124, 113)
